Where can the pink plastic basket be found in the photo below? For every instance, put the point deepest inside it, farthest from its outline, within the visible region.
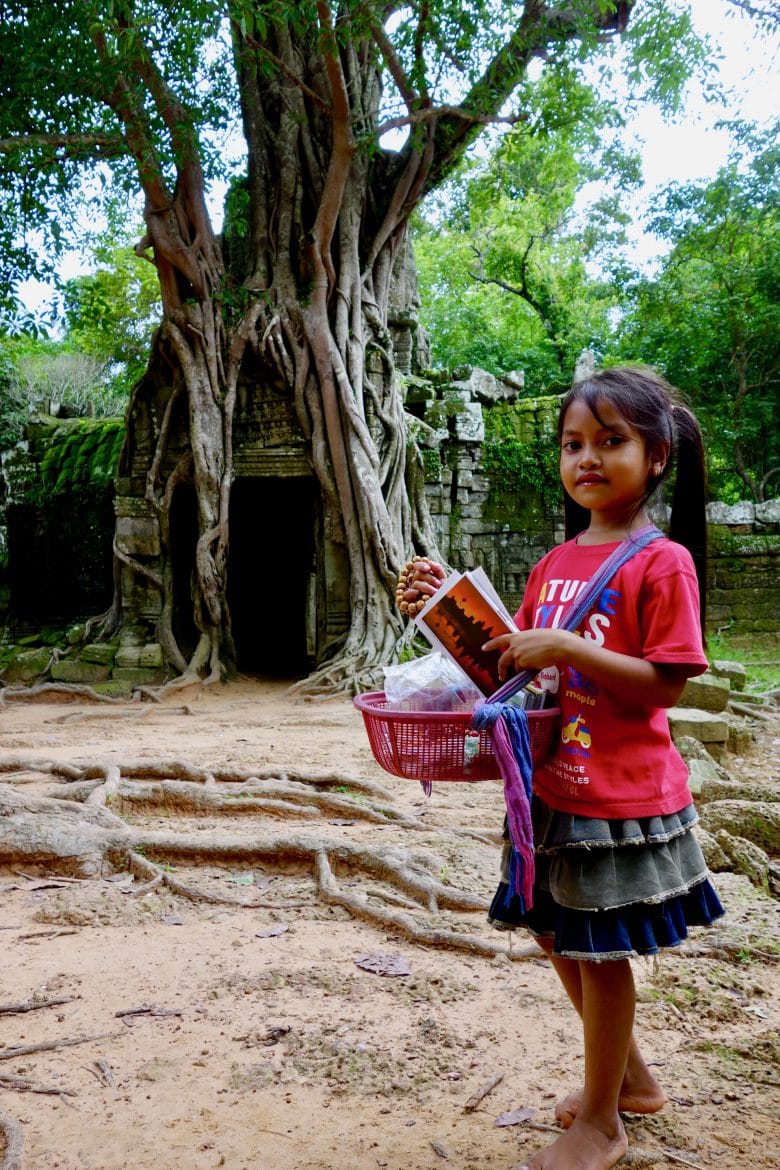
(441, 745)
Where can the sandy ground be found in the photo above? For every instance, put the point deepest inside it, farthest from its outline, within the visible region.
(271, 1049)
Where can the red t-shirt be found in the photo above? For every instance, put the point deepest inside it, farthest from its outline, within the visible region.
(613, 758)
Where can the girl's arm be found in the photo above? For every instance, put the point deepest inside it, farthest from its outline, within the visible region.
(635, 680)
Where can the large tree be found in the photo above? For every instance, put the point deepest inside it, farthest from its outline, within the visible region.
(145, 86)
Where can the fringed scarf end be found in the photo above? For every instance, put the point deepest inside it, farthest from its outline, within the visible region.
(512, 747)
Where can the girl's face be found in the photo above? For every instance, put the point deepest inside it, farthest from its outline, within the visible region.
(605, 464)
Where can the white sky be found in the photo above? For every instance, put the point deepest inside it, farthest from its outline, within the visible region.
(691, 148)
(694, 149)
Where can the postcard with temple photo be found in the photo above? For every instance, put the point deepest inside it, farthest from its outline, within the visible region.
(464, 614)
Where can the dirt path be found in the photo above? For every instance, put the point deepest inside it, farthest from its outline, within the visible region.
(271, 1049)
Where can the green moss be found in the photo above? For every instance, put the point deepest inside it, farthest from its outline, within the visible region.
(80, 458)
(431, 458)
(520, 458)
(726, 543)
(455, 519)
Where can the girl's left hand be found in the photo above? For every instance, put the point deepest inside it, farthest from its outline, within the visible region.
(420, 579)
(529, 650)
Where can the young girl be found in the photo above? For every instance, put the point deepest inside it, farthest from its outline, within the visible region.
(618, 869)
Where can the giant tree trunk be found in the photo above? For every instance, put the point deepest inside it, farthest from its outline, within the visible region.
(304, 290)
(312, 274)
(324, 234)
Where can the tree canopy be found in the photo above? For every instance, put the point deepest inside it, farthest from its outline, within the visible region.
(507, 258)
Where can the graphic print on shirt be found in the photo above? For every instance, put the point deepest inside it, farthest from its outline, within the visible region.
(556, 596)
(578, 690)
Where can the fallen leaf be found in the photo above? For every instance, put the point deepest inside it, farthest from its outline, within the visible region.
(516, 1116)
(384, 964)
(172, 920)
(272, 932)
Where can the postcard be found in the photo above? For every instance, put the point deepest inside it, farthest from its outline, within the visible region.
(465, 613)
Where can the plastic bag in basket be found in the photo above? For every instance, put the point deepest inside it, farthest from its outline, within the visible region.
(430, 683)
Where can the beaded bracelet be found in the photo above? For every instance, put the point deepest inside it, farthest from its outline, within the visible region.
(410, 608)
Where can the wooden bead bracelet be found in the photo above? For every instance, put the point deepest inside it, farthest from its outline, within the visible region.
(410, 608)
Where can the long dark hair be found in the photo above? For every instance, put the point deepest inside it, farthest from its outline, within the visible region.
(654, 408)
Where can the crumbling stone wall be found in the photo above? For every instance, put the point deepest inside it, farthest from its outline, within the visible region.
(478, 521)
(60, 491)
(744, 586)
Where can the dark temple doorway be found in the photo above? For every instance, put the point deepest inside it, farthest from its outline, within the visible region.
(270, 560)
(184, 533)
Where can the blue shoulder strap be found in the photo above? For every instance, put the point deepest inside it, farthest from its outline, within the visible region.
(587, 599)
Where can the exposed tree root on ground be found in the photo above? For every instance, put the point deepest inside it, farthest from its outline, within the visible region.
(300, 848)
(90, 821)
(52, 692)
(86, 823)
(136, 712)
(12, 1138)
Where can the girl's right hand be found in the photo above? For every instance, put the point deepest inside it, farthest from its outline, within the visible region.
(418, 582)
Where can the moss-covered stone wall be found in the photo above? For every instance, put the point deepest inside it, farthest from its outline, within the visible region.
(493, 491)
(744, 585)
(59, 516)
(495, 497)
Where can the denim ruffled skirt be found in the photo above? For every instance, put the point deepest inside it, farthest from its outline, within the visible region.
(610, 889)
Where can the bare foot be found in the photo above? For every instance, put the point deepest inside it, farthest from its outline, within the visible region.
(647, 1097)
(583, 1146)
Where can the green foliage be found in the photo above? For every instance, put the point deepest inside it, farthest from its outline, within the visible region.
(237, 206)
(110, 314)
(61, 66)
(664, 54)
(108, 317)
(516, 462)
(13, 401)
(431, 460)
(758, 656)
(48, 375)
(125, 95)
(504, 261)
(80, 459)
(711, 318)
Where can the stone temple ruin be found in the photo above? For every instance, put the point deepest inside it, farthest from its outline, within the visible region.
(489, 457)
(62, 503)
(65, 500)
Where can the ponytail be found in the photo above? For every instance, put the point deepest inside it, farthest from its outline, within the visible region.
(688, 520)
